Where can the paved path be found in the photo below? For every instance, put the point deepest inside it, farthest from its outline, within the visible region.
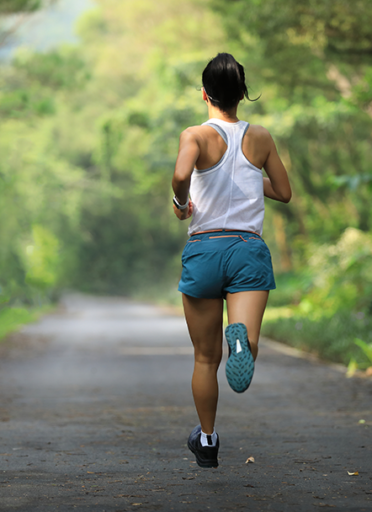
(96, 409)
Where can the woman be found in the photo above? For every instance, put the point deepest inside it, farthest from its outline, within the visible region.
(219, 164)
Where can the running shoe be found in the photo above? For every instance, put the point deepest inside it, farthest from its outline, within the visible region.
(240, 363)
(206, 456)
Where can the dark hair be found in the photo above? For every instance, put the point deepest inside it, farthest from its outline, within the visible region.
(224, 82)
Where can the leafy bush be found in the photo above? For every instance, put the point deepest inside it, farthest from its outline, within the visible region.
(341, 275)
(330, 338)
(366, 349)
(12, 318)
(41, 258)
(330, 303)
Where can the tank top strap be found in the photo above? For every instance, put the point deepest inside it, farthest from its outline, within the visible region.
(239, 140)
(229, 131)
(245, 128)
(218, 129)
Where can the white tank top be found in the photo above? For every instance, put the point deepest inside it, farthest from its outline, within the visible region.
(228, 195)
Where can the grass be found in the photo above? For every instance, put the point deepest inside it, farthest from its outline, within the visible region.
(331, 339)
(13, 318)
(329, 336)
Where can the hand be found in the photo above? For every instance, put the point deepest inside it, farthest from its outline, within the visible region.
(186, 213)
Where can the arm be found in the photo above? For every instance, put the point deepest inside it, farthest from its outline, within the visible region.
(276, 186)
(188, 154)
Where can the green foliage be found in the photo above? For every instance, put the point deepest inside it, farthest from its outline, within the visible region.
(89, 137)
(63, 69)
(329, 302)
(24, 102)
(331, 338)
(311, 61)
(11, 319)
(333, 28)
(15, 6)
(41, 258)
(341, 275)
(367, 351)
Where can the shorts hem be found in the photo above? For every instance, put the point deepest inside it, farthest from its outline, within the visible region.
(198, 296)
(223, 295)
(246, 289)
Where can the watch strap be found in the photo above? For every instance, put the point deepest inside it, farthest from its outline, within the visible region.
(178, 205)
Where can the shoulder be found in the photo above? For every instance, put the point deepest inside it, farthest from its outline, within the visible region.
(196, 134)
(260, 137)
(192, 133)
(259, 132)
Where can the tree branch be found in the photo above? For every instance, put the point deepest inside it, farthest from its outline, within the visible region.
(21, 18)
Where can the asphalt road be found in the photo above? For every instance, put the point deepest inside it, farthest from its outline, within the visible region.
(96, 409)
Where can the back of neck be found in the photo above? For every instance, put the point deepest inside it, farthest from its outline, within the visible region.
(216, 113)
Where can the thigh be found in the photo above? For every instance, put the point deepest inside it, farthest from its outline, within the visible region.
(247, 308)
(204, 321)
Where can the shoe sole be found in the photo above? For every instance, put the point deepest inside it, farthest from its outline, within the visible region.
(240, 364)
(202, 463)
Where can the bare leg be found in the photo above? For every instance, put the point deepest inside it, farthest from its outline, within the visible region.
(204, 320)
(248, 308)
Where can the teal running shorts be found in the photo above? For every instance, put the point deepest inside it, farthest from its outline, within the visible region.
(217, 263)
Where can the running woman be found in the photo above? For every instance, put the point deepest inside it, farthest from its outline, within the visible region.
(218, 182)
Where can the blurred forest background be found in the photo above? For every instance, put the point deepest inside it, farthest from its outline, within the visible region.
(89, 136)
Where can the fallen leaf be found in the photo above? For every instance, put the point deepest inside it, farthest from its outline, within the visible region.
(188, 478)
(355, 473)
(90, 472)
(248, 485)
(362, 422)
(250, 459)
(136, 504)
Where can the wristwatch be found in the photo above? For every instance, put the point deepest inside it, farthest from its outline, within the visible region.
(178, 205)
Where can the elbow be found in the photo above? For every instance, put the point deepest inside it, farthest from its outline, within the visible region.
(286, 195)
(286, 198)
(178, 179)
(282, 197)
